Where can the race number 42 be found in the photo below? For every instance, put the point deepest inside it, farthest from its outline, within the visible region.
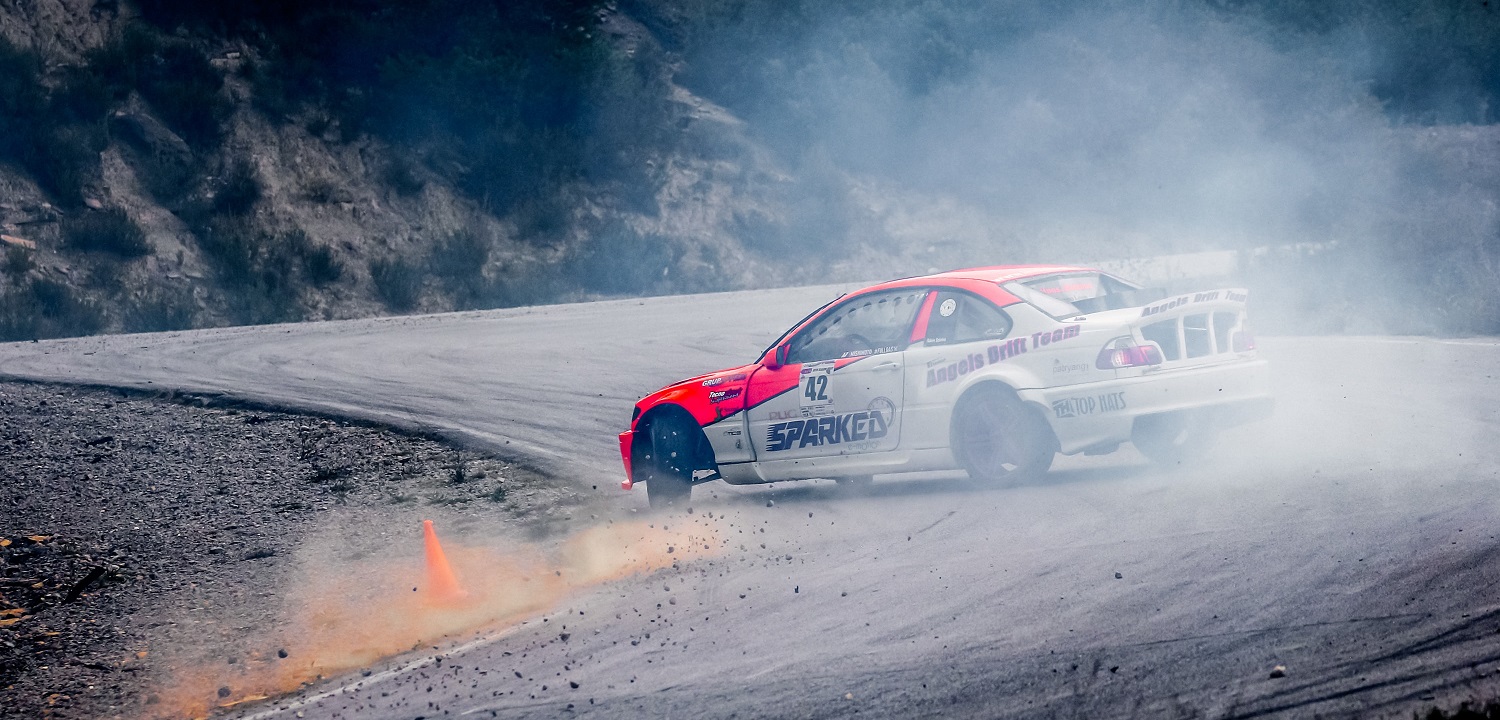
(815, 387)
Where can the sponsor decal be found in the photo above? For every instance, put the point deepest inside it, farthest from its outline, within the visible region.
(1150, 310)
(1176, 302)
(1061, 368)
(1058, 335)
(713, 381)
(815, 386)
(719, 396)
(871, 351)
(956, 370)
(998, 353)
(1006, 350)
(947, 307)
(1089, 405)
(805, 412)
(855, 427)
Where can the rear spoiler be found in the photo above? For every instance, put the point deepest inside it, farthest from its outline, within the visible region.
(1220, 297)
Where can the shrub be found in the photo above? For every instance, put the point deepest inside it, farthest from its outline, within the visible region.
(44, 308)
(320, 191)
(82, 96)
(229, 246)
(397, 284)
(400, 175)
(169, 178)
(21, 98)
(239, 189)
(319, 266)
(18, 262)
(317, 262)
(184, 89)
(178, 81)
(619, 260)
(109, 231)
(458, 263)
(63, 158)
(157, 309)
(257, 271)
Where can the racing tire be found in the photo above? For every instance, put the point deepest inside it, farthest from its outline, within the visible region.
(999, 439)
(668, 463)
(1172, 439)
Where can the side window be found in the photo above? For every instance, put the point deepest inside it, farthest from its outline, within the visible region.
(864, 325)
(1196, 337)
(1224, 323)
(960, 317)
(1164, 334)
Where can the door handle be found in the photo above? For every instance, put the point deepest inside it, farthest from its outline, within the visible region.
(888, 365)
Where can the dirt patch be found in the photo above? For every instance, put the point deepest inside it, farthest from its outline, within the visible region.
(140, 534)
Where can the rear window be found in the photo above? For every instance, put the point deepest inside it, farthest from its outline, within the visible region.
(1068, 294)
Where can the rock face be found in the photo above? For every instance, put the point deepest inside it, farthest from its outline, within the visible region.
(269, 192)
(137, 127)
(285, 215)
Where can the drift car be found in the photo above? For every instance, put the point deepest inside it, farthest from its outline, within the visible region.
(990, 370)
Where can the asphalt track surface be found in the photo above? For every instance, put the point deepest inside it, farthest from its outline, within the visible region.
(1351, 539)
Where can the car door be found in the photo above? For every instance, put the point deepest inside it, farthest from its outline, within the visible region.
(961, 334)
(848, 369)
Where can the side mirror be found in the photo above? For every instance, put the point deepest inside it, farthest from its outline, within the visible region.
(778, 358)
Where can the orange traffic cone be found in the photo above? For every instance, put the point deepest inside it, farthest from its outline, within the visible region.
(442, 586)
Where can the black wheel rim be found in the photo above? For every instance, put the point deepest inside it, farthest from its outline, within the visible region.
(992, 440)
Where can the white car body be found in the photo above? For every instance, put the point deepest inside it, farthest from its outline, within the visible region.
(1098, 378)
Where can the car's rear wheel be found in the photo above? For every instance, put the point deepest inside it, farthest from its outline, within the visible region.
(998, 438)
(668, 462)
(1173, 438)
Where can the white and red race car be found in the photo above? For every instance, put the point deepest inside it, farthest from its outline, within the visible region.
(990, 370)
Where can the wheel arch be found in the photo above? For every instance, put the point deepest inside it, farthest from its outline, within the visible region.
(998, 384)
(703, 452)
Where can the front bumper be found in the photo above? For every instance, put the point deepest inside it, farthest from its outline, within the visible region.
(625, 439)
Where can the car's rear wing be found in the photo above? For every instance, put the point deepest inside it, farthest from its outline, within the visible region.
(1199, 326)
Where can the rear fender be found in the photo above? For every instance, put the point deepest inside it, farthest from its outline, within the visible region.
(1029, 399)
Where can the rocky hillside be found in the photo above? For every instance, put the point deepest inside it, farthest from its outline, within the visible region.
(169, 164)
(163, 176)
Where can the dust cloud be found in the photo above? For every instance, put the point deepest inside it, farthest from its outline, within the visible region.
(939, 135)
(343, 616)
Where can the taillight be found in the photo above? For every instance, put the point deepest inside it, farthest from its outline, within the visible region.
(1123, 352)
(1242, 341)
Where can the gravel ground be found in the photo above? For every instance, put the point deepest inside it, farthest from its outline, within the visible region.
(131, 524)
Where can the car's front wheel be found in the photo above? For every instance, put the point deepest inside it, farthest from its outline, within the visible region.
(668, 463)
(998, 438)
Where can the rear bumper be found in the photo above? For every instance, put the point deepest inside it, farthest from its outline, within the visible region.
(1243, 411)
(1093, 414)
(625, 440)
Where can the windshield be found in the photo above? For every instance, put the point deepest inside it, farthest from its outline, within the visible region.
(796, 325)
